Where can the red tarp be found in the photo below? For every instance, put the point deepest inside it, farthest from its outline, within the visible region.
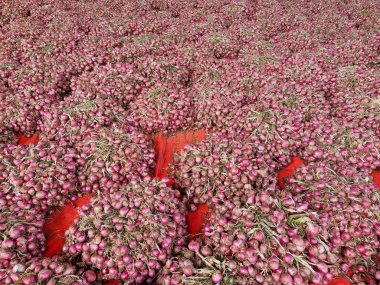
(339, 281)
(58, 222)
(197, 219)
(23, 140)
(288, 171)
(376, 177)
(166, 147)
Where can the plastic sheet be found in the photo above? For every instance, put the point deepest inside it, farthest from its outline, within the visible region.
(339, 281)
(288, 171)
(197, 219)
(23, 140)
(376, 177)
(58, 222)
(166, 147)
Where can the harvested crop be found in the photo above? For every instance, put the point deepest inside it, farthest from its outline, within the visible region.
(130, 233)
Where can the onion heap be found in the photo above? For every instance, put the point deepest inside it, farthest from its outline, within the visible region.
(16, 115)
(276, 135)
(245, 242)
(266, 80)
(222, 169)
(224, 45)
(322, 224)
(357, 98)
(168, 66)
(21, 237)
(212, 105)
(162, 109)
(347, 145)
(77, 114)
(120, 82)
(50, 271)
(110, 157)
(129, 234)
(39, 176)
(198, 267)
(337, 209)
(6, 136)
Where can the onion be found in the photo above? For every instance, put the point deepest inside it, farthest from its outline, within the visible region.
(217, 277)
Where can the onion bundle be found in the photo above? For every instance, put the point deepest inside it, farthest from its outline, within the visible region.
(357, 100)
(68, 119)
(21, 236)
(224, 45)
(337, 210)
(276, 135)
(16, 115)
(50, 271)
(39, 176)
(348, 145)
(130, 233)
(222, 169)
(212, 105)
(162, 109)
(112, 156)
(197, 268)
(120, 82)
(246, 243)
(6, 137)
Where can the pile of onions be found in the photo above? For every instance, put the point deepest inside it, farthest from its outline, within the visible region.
(120, 82)
(196, 266)
(16, 115)
(337, 209)
(211, 106)
(242, 244)
(46, 77)
(68, 119)
(162, 109)
(256, 242)
(49, 271)
(224, 45)
(167, 66)
(38, 176)
(350, 146)
(267, 81)
(130, 233)
(276, 135)
(111, 156)
(21, 236)
(222, 169)
(357, 100)
(6, 136)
